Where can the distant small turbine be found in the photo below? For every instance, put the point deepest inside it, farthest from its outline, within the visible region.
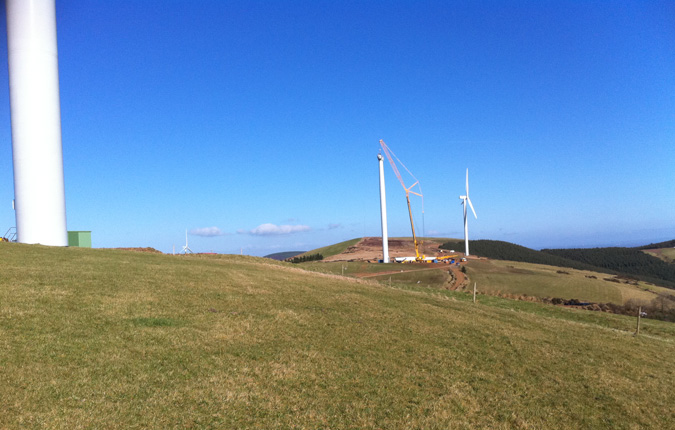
(186, 248)
(466, 199)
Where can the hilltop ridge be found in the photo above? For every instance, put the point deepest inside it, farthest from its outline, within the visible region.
(631, 262)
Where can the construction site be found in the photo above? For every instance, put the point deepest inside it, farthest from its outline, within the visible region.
(422, 254)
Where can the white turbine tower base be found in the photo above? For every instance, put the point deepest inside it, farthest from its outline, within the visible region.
(39, 195)
(466, 199)
(383, 213)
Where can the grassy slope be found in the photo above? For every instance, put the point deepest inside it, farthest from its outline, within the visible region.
(545, 281)
(627, 261)
(497, 276)
(500, 250)
(118, 339)
(330, 250)
(427, 275)
(665, 254)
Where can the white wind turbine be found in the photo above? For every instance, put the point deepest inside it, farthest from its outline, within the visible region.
(466, 199)
(186, 248)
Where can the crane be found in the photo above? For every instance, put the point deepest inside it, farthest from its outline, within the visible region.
(408, 190)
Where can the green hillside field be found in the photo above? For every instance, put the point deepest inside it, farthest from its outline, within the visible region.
(630, 262)
(665, 254)
(330, 250)
(627, 261)
(109, 339)
(540, 280)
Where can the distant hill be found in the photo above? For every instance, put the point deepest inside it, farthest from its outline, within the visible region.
(500, 250)
(665, 254)
(334, 249)
(618, 261)
(626, 261)
(666, 244)
(281, 256)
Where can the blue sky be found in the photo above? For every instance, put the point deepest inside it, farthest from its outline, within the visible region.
(255, 124)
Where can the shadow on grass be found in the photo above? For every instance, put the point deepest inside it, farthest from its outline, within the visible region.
(155, 322)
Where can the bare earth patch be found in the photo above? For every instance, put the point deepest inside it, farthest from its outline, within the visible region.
(370, 249)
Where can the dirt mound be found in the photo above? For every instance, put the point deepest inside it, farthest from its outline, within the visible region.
(370, 249)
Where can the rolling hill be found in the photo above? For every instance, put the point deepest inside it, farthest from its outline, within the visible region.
(500, 250)
(119, 339)
(625, 261)
(617, 261)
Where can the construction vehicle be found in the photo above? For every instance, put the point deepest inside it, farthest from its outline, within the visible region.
(10, 235)
(408, 190)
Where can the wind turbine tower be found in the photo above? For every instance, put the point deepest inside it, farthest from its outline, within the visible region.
(465, 199)
(39, 194)
(186, 248)
(383, 213)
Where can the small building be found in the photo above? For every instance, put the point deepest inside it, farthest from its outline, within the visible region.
(80, 239)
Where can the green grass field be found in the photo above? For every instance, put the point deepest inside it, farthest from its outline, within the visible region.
(119, 339)
(400, 275)
(508, 277)
(665, 254)
(538, 280)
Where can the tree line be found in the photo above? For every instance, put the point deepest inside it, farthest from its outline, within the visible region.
(500, 250)
(305, 258)
(624, 261)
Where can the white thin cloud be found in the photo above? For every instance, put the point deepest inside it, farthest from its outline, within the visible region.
(334, 226)
(207, 232)
(275, 230)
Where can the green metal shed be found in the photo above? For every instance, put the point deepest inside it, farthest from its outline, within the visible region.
(81, 239)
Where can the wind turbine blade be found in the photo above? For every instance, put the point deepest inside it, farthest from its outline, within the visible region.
(472, 209)
(467, 182)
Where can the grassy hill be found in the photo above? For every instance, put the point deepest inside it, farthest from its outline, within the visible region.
(335, 249)
(500, 250)
(120, 339)
(519, 280)
(538, 280)
(624, 261)
(665, 254)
